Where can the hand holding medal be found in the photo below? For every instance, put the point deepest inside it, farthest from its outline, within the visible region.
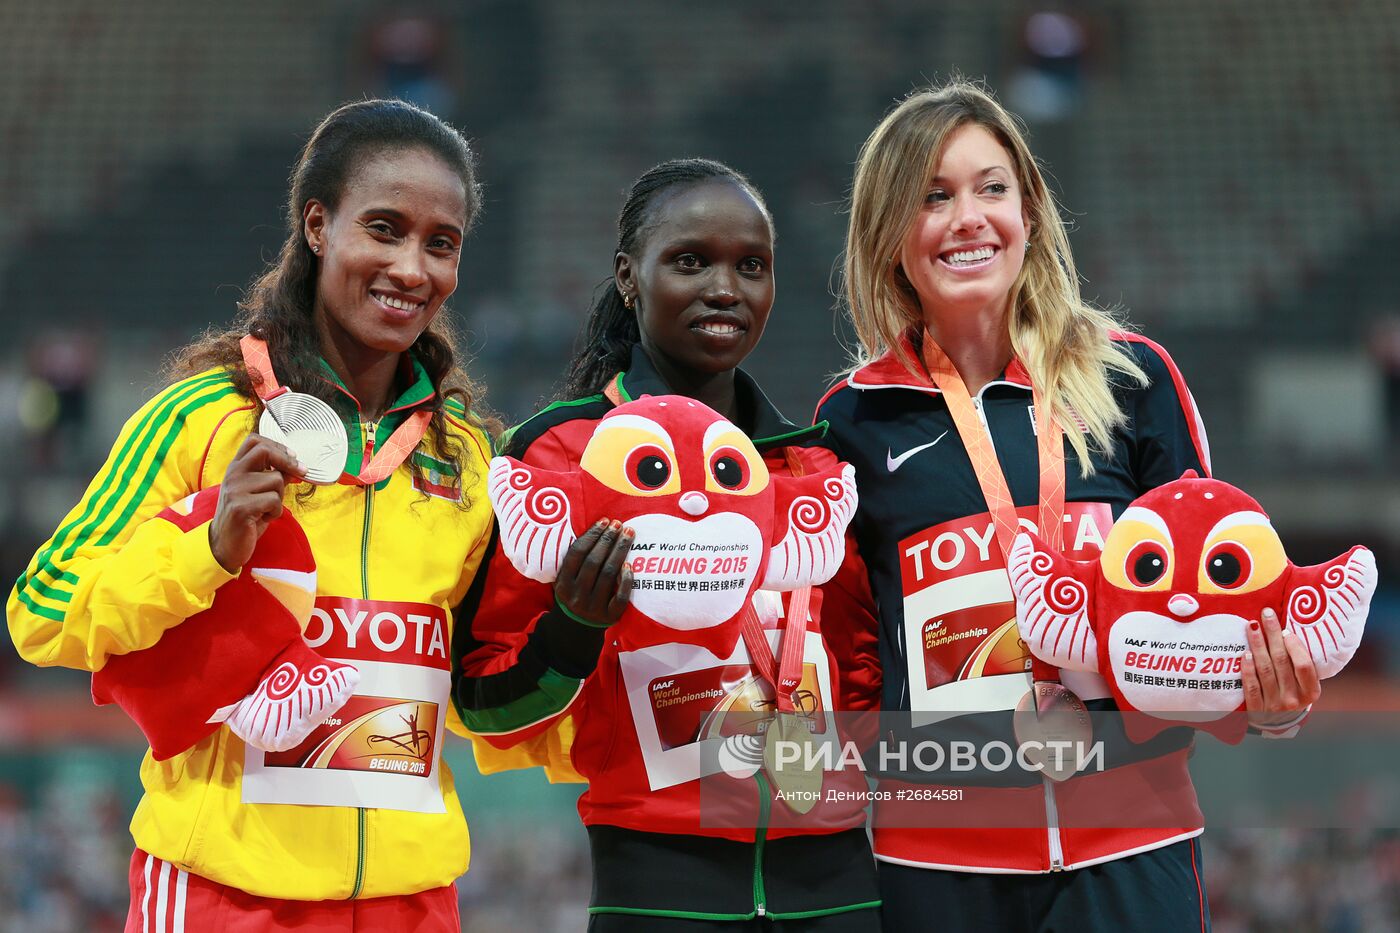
(311, 430)
(300, 438)
(304, 424)
(250, 499)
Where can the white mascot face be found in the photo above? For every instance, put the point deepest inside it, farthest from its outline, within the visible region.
(694, 489)
(693, 574)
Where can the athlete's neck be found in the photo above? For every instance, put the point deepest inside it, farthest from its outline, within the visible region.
(713, 389)
(367, 373)
(978, 345)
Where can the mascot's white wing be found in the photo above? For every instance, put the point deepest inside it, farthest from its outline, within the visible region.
(816, 510)
(534, 508)
(1052, 606)
(1327, 607)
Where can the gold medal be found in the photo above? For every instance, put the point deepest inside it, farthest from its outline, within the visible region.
(791, 761)
(1053, 728)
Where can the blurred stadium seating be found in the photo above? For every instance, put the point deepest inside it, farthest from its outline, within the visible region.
(1228, 168)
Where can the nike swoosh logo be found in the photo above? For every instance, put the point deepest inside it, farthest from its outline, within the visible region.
(893, 463)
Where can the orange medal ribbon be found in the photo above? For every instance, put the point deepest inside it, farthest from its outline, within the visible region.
(1050, 710)
(382, 465)
(978, 444)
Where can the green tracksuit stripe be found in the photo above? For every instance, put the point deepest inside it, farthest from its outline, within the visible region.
(555, 692)
(162, 422)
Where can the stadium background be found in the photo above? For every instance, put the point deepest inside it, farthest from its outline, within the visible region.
(1229, 168)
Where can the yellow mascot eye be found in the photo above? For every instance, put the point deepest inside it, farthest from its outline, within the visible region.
(1139, 553)
(634, 456)
(1242, 554)
(732, 463)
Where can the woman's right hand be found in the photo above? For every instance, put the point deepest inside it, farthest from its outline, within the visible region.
(594, 583)
(250, 499)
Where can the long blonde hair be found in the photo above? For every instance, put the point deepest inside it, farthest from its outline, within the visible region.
(1064, 343)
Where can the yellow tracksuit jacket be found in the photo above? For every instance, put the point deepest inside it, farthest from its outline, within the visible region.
(110, 582)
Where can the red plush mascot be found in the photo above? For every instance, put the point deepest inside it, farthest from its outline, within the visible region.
(242, 661)
(711, 522)
(1162, 612)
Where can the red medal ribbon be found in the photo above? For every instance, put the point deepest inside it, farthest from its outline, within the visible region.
(978, 444)
(785, 674)
(395, 450)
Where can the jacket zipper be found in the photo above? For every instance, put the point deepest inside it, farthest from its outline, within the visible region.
(360, 815)
(1052, 827)
(765, 803)
(1052, 812)
(981, 413)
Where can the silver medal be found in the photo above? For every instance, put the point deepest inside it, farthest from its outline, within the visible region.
(311, 430)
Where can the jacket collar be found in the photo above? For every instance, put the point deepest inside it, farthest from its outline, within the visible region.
(418, 389)
(758, 417)
(890, 372)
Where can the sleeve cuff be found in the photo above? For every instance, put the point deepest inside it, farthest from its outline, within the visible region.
(567, 646)
(195, 567)
(1283, 730)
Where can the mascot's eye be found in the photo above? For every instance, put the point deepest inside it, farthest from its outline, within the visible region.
(1146, 563)
(1228, 565)
(648, 467)
(728, 468)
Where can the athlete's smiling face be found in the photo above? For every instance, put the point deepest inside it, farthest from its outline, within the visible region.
(967, 244)
(702, 277)
(389, 250)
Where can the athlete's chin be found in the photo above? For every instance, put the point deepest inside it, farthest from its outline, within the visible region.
(716, 361)
(966, 297)
(391, 339)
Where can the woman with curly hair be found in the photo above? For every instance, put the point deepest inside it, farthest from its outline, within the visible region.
(254, 827)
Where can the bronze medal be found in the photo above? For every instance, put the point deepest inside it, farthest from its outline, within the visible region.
(1053, 728)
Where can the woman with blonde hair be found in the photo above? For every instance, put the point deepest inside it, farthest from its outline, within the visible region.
(978, 361)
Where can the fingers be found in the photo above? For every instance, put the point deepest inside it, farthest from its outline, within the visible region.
(1287, 678)
(240, 519)
(594, 582)
(258, 454)
(617, 559)
(618, 604)
(1278, 653)
(1263, 659)
(573, 557)
(1253, 691)
(596, 558)
(1309, 684)
(616, 580)
(250, 498)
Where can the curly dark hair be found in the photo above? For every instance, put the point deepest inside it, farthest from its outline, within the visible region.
(277, 307)
(611, 332)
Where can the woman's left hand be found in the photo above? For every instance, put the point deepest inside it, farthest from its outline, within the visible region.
(1280, 680)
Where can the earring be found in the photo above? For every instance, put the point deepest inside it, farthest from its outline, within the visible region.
(628, 301)
(316, 249)
(1028, 246)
